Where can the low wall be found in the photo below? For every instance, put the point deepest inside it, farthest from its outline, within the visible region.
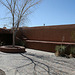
(41, 46)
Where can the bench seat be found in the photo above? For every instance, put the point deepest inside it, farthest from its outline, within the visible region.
(52, 42)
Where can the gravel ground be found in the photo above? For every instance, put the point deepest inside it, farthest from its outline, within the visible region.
(35, 62)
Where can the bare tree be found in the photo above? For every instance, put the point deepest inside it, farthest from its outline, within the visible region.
(19, 9)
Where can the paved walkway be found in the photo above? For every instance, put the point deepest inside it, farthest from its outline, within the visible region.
(36, 63)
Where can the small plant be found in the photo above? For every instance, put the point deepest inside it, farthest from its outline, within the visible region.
(72, 51)
(60, 50)
(2, 43)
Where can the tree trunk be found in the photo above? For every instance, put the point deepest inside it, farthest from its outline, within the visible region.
(13, 32)
(13, 38)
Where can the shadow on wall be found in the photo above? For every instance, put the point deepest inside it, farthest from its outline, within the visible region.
(5, 39)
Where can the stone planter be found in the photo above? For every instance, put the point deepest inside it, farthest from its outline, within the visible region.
(10, 49)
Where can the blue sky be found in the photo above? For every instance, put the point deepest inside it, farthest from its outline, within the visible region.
(54, 12)
(48, 12)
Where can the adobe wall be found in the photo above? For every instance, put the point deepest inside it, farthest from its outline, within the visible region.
(48, 33)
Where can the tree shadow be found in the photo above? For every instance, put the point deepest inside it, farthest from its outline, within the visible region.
(39, 67)
(36, 63)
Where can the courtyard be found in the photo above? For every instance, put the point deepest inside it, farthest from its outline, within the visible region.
(34, 62)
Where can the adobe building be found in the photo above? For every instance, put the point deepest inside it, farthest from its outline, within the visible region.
(46, 37)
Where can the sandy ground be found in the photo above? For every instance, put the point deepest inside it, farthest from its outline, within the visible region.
(36, 63)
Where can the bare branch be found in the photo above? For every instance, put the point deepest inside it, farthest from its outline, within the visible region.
(11, 1)
(9, 5)
(24, 6)
(18, 8)
(5, 5)
(8, 2)
(30, 6)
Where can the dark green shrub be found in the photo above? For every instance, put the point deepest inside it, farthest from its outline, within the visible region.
(60, 49)
(72, 51)
(20, 43)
